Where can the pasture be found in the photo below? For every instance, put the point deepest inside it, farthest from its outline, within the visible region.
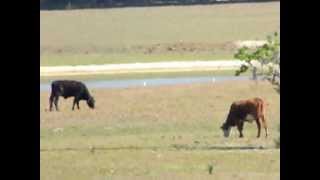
(126, 35)
(168, 132)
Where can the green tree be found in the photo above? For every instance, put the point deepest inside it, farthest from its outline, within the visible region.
(258, 58)
(262, 61)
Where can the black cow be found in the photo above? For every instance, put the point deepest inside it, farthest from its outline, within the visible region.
(70, 88)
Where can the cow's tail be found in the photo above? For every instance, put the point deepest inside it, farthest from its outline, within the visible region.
(262, 107)
(51, 97)
(52, 89)
(55, 90)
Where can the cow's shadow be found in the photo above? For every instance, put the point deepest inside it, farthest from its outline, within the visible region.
(177, 147)
(216, 147)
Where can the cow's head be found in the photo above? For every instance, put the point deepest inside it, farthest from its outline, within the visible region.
(226, 129)
(91, 102)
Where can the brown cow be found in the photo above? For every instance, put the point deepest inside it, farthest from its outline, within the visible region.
(245, 110)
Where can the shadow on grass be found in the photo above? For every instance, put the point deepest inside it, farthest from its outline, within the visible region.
(179, 147)
(188, 147)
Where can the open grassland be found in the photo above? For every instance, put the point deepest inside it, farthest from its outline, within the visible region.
(202, 32)
(169, 132)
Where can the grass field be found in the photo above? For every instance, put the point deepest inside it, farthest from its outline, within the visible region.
(169, 132)
(152, 34)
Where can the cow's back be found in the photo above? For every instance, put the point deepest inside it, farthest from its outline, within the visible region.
(67, 88)
(251, 106)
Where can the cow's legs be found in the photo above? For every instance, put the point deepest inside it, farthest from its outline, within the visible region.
(78, 104)
(56, 102)
(240, 128)
(259, 127)
(264, 124)
(74, 103)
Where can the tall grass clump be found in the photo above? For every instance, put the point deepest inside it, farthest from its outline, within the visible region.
(210, 168)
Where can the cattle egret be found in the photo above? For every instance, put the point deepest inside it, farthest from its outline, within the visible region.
(213, 80)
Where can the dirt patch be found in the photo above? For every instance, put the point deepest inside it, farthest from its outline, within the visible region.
(159, 48)
(249, 44)
(186, 47)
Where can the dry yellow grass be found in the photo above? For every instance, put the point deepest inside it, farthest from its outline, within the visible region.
(168, 104)
(169, 132)
(152, 34)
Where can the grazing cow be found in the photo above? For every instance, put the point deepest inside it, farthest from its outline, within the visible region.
(245, 110)
(70, 88)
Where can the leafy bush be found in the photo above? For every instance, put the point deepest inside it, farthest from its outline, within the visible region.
(261, 58)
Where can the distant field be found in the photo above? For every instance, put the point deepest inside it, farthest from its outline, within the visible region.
(152, 34)
(169, 132)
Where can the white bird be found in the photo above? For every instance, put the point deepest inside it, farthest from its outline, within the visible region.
(213, 80)
(144, 84)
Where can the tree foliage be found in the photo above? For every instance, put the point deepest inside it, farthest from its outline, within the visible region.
(262, 61)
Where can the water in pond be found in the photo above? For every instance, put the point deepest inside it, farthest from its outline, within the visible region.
(100, 84)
